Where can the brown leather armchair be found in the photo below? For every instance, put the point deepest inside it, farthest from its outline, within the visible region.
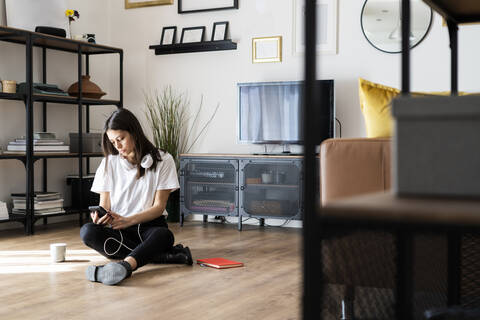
(350, 167)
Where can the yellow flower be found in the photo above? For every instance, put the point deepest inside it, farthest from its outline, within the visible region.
(69, 13)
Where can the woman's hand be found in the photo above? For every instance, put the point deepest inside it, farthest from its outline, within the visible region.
(120, 222)
(106, 219)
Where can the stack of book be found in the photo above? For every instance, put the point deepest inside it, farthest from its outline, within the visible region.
(44, 203)
(42, 142)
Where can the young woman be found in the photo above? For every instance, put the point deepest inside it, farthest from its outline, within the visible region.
(134, 181)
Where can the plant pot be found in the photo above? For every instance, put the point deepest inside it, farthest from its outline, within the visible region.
(89, 89)
(173, 206)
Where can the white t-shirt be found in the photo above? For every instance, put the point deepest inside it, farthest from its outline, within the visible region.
(129, 195)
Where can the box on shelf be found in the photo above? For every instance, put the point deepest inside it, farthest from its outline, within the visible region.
(436, 149)
(88, 198)
(91, 142)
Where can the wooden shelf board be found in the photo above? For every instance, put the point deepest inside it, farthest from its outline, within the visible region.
(53, 42)
(461, 11)
(59, 99)
(42, 155)
(73, 100)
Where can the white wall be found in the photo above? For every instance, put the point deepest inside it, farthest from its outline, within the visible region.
(215, 74)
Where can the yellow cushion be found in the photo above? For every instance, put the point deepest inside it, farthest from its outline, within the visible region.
(375, 102)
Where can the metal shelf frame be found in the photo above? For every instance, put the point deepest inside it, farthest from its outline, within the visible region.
(81, 49)
(454, 12)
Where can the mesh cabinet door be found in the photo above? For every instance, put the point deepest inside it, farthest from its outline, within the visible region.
(271, 188)
(209, 187)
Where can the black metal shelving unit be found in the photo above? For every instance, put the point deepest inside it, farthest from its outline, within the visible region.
(83, 50)
(194, 47)
(455, 12)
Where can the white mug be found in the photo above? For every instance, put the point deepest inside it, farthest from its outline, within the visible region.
(57, 252)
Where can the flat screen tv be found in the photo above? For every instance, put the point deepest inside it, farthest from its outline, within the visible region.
(271, 112)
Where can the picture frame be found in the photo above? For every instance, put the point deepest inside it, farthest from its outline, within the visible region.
(130, 4)
(169, 34)
(192, 34)
(219, 31)
(192, 6)
(327, 12)
(267, 49)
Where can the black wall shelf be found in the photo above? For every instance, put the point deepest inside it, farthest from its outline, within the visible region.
(194, 47)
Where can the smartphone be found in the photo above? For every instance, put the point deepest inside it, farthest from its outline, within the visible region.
(100, 210)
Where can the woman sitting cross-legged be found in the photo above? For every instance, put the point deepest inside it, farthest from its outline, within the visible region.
(134, 181)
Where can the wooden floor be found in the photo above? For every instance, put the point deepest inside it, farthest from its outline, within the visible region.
(268, 287)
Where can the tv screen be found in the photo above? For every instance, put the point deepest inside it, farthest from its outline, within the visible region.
(271, 112)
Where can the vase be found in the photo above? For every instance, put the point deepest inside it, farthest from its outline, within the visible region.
(89, 89)
(173, 206)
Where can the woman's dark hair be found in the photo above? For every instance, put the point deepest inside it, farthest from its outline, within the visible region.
(123, 119)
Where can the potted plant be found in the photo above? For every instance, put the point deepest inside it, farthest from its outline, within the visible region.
(174, 130)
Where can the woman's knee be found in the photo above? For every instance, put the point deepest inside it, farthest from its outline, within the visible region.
(89, 232)
(163, 235)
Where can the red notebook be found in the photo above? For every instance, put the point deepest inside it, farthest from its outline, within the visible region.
(219, 263)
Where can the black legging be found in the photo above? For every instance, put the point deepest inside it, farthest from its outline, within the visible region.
(143, 242)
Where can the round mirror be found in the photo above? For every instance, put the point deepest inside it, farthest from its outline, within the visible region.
(382, 24)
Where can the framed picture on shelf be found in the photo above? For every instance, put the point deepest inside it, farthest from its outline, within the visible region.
(168, 35)
(267, 49)
(191, 6)
(327, 27)
(220, 30)
(192, 34)
(129, 4)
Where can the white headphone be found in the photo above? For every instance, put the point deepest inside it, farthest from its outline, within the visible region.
(147, 161)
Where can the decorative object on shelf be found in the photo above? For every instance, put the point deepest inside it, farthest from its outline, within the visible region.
(167, 115)
(267, 49)
(9, 86)
(91, 142)
(89, 89)
(42, 88)
(220, 30)
(381, 24)
(72, 15)
(326, 27)
(169, 35)
(129, 4)
(59, 32)
(89, 37)
(192, 34)
(191, 6)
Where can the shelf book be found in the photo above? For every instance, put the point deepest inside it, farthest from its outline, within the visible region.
(43, 142)
(44, 203)
(219, 263)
